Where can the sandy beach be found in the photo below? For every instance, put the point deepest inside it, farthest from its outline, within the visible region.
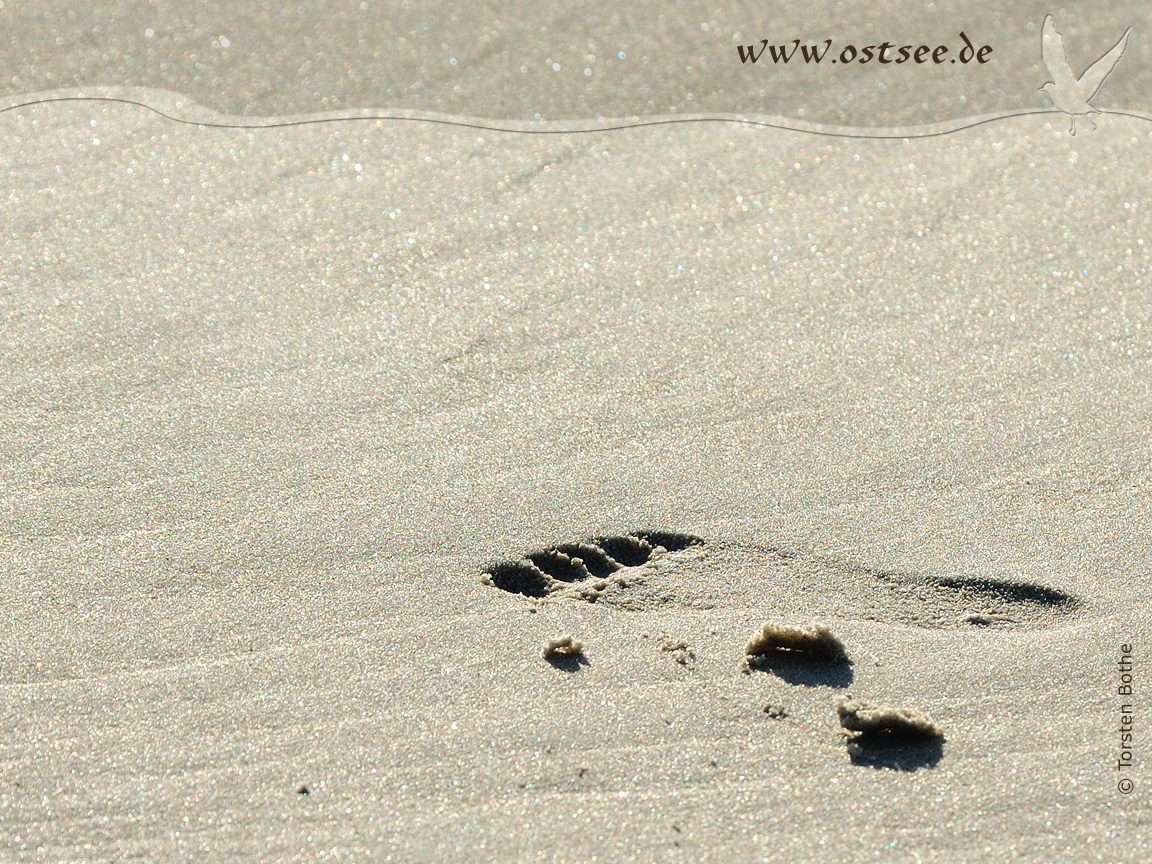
(304, 428)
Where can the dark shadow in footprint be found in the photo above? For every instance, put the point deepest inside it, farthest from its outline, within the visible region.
(799, 670)
(963, 601)
(559, 566)
(1008, 592)
(625, 550)
(568, 662)
(520, 577)
(895, 753)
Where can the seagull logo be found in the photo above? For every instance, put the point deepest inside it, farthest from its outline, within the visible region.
(1070, 94)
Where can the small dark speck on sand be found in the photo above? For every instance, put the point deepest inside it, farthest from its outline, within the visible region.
(776, 712)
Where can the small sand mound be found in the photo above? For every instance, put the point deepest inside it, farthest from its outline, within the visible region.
(859, 715)
(565, 646)
(814, 641)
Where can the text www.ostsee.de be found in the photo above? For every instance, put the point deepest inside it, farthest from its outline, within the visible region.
(884, 53)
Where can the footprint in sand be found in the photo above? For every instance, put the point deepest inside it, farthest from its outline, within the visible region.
(644, 570)
(652, 569)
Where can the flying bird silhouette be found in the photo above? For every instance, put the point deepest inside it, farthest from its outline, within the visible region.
(1070, 94)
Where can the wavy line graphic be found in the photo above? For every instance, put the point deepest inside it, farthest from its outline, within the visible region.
(181, 109)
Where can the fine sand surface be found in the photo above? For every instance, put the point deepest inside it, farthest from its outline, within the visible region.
(283, 411)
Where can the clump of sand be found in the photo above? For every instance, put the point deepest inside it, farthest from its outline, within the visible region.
(565, 646)
(868, 718)
(815, 641)
(677, 649)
